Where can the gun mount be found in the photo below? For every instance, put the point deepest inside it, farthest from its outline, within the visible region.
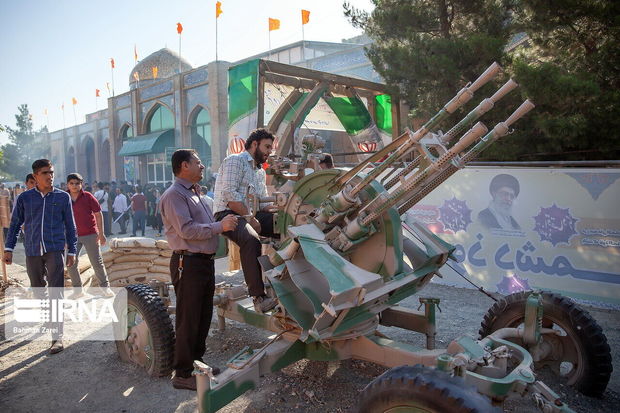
(341, 264)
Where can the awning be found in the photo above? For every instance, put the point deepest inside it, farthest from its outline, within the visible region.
(155, 142)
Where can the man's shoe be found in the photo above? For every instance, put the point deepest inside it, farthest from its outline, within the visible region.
(56, 347)
(184, 383)
(262, 303)
(107, 292)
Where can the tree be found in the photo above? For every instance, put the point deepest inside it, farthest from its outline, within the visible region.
(428, 49)
(22, 149)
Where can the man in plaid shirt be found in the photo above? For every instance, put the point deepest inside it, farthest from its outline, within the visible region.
(236, 175)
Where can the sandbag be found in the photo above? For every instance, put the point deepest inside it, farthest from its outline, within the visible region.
(109, 256)
(129, 266)
(126, 251)
(162, 244)
(132, 242)
(136, 258)
(165, 261)
(83, 263)
(165, 253)
(115, 275)
(161, 269)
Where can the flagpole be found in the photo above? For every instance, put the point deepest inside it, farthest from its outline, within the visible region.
(179, 53)
(216, 19)
(269, 44)
(74, 115)
(47, 120)
(303, 40)
(112, 69)
(63, 116)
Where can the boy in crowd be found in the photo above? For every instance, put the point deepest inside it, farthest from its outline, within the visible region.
(89, 222)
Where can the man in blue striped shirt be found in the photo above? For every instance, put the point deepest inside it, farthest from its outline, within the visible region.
(47, 216)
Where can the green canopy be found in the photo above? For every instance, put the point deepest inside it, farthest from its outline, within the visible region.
(155, 142)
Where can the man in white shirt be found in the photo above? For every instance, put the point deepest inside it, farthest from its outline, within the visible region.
(237, 174)
(119, 207)
(102, 197)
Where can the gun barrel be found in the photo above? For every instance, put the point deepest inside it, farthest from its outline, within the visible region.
(504, 90)
(404, 192)
(520, 112)
(487, 75)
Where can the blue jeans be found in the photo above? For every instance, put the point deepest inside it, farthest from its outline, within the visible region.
(139, 220)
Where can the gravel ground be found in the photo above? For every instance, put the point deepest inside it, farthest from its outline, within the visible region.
(88, 376)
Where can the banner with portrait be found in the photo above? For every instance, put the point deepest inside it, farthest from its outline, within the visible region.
(521, 228)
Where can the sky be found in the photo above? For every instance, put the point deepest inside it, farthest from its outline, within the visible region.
(56, 50)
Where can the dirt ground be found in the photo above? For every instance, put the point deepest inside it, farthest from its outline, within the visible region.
(88, 376)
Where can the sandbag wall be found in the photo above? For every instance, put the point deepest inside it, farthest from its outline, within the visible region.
(129, 261)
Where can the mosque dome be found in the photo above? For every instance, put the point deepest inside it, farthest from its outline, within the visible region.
(165, 60)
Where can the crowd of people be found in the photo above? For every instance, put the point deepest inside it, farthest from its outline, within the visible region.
(131, 206)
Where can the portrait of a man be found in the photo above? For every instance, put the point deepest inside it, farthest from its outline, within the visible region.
(504, 190)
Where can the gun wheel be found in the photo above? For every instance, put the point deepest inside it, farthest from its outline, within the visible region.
(579, 354)
(150, 337)
(421, 389)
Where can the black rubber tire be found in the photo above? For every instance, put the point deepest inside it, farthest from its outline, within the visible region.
(154, 313)
(423, 388)
(557, 309)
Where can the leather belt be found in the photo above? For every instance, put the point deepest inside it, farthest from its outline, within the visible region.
(193, 254)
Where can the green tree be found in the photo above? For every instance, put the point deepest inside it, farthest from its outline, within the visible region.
(426, 50)
(22, 149)
(572, 73)
(570, 66)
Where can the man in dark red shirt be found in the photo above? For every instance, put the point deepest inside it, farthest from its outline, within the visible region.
(89, 223)
(138, 206)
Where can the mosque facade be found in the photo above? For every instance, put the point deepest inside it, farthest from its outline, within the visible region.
(180, 106)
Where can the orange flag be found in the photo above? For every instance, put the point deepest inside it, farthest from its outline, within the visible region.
(97, 91)
(155, 70)
(45, 111)
(136, 76)
(135, 53)
(112, 62)
(218, 9)
(74, 101)
(305, 16)
(179, 28)
(274, 24)
(107, 85)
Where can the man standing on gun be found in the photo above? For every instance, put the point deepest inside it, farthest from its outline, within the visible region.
(89, 222)
(47, 216)
(192, 234)
(237, 173)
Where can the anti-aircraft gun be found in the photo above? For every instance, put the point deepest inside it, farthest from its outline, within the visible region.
(341, 264)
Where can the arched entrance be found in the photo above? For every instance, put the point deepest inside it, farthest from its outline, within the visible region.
(86, 160)
(104, 161)
(201, 136)
(70, 161)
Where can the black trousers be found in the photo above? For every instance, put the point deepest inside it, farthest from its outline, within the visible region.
(250, 248)
(107, 224)
(194, 289)
(48, 270)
